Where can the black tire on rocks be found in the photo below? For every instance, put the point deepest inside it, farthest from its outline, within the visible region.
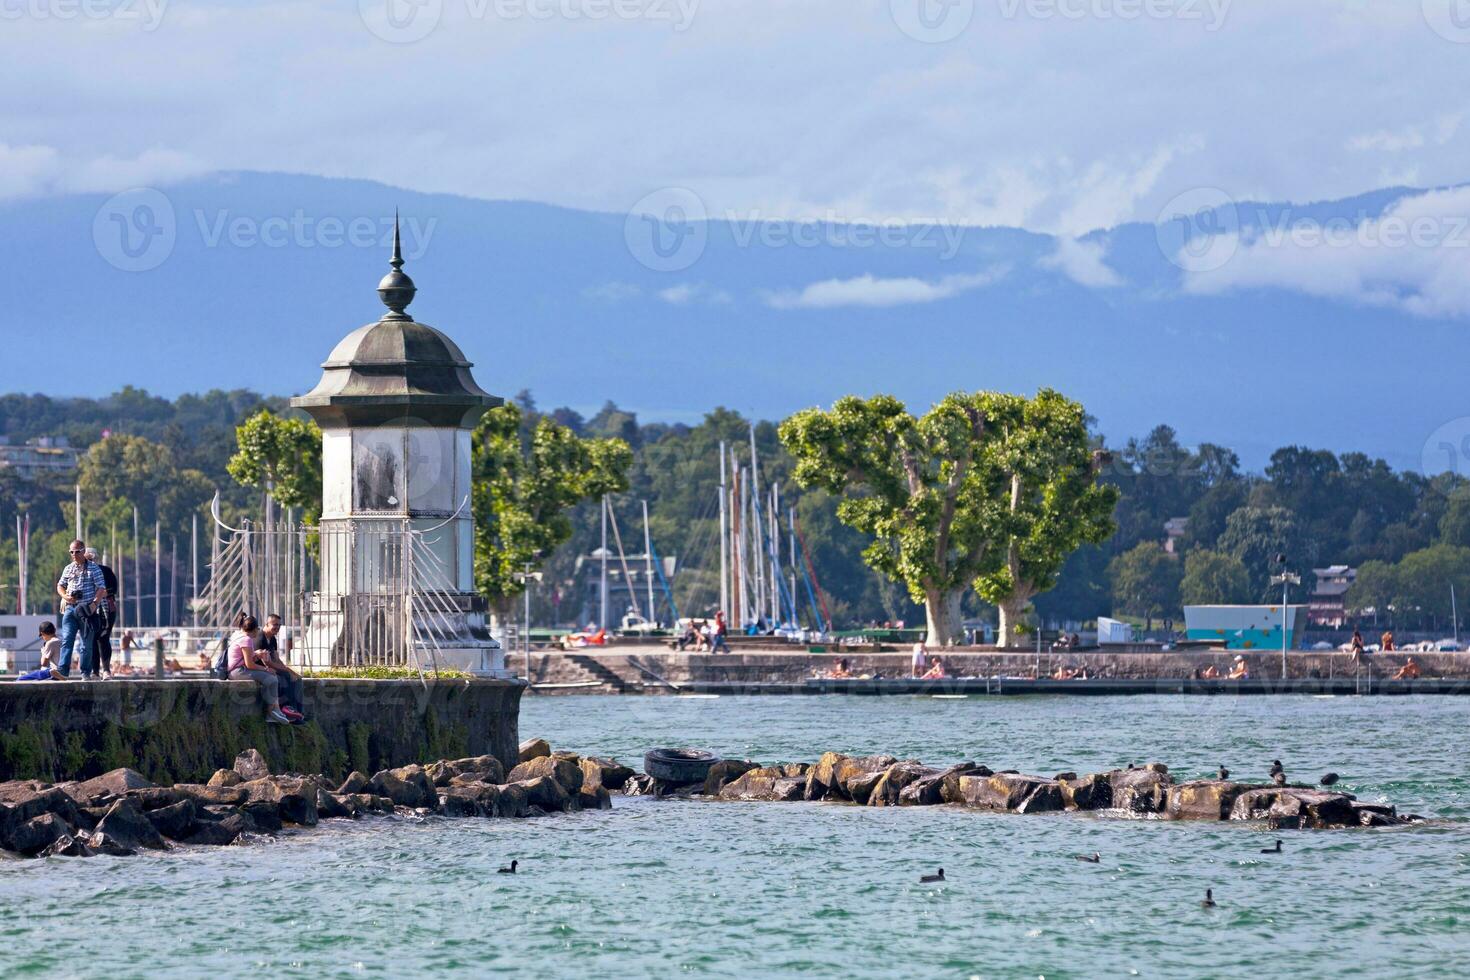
(679, 765)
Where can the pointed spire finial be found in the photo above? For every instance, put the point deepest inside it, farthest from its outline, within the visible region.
(396, 289)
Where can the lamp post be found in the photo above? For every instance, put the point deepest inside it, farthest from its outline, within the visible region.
(1285, 580)
(526, 577)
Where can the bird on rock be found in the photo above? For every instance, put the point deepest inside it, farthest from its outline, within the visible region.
(1089, 858)
(932, 878)
(1272, 850)
(1329, 779)
(510, 870)
(1224, 773)
(1209, 901)
(1279, 778)
(1276, 767)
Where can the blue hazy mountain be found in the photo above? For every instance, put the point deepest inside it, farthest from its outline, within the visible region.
(258, 275)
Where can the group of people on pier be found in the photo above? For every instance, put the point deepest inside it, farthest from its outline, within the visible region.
(252, 652)
(87, 591)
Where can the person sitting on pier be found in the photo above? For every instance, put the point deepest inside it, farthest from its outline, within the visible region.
(246, 664)
(690, 637)
(50, 657)
(920, 661)
(842, 671)
(1386, 641)
(290, 681)
(935, 671)
(717, 634)
(1063, 673)
(1409, 671)
(1210, 673)
(1239, 672)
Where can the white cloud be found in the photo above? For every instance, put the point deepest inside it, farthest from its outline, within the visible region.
(32, 171)
(868, 290)
(612, 292)
(1414, 258)
(1082, 262)
(1024, 120)
(690, 292)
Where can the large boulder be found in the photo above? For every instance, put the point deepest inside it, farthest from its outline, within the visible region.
(1045, 798)
(640, 784)
(212, 795)
(594, 798)
(176, 821)
(355, 782)
(938, 787)
(1204, 799)
(1091, 792)
(329, 807)
(547, 793)
(1143, 790)
(828, 779)
(21, 801)
(216, 833)
(155, 797)
(609, 774)
(472, 800)
(107, 787)
(512, 801)
(1007, 791)
(406, 786)
(484, 768)
(1291, 807)
(68, 846)
(294, 797)
(770, 783)
(886, 790)
(533, 748)
(225, 777)
(250, 764)
(126, 825)
(565, 768)
(724, 772)
(38, 833)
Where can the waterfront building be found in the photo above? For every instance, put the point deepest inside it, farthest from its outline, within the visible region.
(38, 457)
(1243, 627)
(1327, 605)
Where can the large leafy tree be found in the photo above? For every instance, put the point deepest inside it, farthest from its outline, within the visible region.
(926, 490)
(1146, 581)
(526, 479)
(124, 470)
(1255, 536)
(1212, 578)
(1052, 500)
(283, 456)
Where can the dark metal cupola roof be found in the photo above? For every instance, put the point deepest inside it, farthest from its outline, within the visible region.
(397, 370)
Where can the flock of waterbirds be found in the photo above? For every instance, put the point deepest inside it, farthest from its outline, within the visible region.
(1278, 776)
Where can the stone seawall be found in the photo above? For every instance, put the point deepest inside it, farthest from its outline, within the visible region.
(183, 730)
(656, 669)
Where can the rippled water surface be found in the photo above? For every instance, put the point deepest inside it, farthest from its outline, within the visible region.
(748, 888)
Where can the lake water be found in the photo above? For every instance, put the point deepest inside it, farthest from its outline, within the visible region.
(727, 889)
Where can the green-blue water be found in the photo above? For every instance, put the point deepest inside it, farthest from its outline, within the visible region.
(739, 889)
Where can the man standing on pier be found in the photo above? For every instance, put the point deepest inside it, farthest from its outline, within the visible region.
(80, 587)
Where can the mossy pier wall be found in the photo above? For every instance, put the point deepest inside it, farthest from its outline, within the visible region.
(183, 730)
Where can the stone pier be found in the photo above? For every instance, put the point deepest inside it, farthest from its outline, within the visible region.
(184, 730)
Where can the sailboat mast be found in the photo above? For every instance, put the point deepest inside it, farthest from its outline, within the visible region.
(738, 609)
(602, 612)
(648, 564)
(724, 537)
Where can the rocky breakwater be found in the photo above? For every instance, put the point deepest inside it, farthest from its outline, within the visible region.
(122, 813)
(1140, 792)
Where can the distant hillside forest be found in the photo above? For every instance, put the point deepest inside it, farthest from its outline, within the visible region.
(1407, 533)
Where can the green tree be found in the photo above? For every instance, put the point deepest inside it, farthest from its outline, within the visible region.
(1454, 524)
(1255, 536)
(1146, 581)
(1375, 588)
(1053, 501)
(926, 490)
(525, 481)
(1211, 578)
(283, 456)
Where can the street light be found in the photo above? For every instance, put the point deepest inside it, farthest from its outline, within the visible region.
(527, 577)
(1285, 580)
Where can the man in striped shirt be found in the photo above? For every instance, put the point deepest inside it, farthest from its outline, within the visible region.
(81, 586)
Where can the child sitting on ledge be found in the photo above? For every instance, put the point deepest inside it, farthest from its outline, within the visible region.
(50, 655)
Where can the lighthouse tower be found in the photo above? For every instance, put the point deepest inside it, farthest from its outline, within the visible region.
(396, 405)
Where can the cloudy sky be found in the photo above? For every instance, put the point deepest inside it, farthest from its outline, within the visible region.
(1052, 115)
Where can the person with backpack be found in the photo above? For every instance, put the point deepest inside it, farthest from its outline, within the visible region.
(246, 664)
(105, 619)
